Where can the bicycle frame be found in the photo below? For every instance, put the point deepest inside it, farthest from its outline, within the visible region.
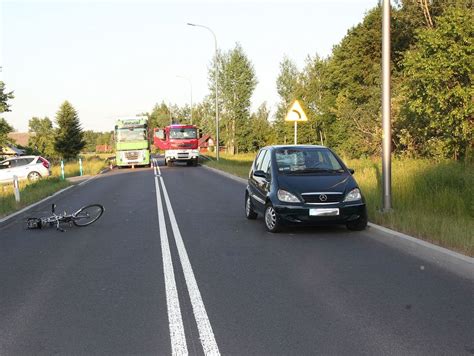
(76, 218)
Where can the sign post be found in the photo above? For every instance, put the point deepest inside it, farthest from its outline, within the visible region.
(295, 114)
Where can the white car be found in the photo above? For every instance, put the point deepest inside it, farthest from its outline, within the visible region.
(24, 167)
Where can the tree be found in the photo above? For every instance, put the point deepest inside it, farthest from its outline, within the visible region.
(288, 88)
(438, 87)
(69, 140)
(5, 128)
(42, 136)
(4, 97)
(261, 132)
(161, 115)
(354, 86)
(236, 82)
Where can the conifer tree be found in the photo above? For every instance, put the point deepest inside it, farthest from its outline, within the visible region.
(69, 140)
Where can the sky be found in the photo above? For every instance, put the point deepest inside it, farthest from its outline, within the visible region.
(119, 58)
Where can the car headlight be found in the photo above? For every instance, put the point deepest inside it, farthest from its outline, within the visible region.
(287, 197)
(353, 195)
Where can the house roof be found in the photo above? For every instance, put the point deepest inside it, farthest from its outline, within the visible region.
(10, 150)
(20, 138)
(203, 141)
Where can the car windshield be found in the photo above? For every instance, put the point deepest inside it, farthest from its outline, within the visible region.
(183, 134)
(306, 160)
(136, 134)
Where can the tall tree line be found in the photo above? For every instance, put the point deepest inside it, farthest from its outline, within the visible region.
(432, 90)
(432, 45)
(432, 76)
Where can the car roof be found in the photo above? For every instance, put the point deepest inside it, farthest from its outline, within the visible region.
(17, 157)
(272, 147)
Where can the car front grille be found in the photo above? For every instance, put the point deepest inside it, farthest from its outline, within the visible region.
(321, 198)
(183, 155)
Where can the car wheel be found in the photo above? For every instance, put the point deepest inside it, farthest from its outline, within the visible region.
(272, 220)
(358, 224)
(34, 176)
(169, 163)
(249, 211)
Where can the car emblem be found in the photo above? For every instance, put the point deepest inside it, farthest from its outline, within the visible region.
(323, 197)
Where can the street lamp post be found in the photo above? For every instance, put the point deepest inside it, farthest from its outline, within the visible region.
(191, 88)
(386, 125)
(216, 77)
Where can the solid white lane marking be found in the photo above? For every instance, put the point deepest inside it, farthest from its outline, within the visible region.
(178, 339)
(206, 334)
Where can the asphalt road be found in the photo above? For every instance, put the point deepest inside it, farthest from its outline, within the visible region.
(184, 271)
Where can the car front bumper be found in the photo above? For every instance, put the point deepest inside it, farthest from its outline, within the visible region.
(300, 214)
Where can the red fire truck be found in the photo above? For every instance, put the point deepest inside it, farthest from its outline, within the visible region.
(180, 143)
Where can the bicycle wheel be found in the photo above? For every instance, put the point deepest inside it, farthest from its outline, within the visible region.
(87, 214)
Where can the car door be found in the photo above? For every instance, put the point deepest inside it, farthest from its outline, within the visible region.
(6, 174)
(263, 183)
(255, 181)
(25, 166)
(19, 167)
(263, 186)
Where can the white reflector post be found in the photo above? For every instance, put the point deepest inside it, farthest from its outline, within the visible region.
(386, 128)
(16, 188)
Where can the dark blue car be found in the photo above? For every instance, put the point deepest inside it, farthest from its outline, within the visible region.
(303, 184)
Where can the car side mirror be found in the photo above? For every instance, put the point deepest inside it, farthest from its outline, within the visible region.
(160, 134)
(260, 173)
(351, 171)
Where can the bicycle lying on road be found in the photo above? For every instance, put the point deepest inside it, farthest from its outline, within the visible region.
(83, 217)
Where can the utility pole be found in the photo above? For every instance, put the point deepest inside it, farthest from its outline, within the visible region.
(386, 126)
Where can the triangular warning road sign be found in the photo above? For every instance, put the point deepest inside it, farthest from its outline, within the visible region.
(296, 113)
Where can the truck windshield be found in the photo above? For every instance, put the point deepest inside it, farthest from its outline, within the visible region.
(127, 135)
(182, 134)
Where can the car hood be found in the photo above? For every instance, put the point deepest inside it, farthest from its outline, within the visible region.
(339, 183)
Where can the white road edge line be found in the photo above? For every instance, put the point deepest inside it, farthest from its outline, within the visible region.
(206, 334)
(178, 339)
(393, 233)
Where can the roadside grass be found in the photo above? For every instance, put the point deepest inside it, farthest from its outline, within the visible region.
(238, 165)
(91, 165)
(30, 192)
(431, 200)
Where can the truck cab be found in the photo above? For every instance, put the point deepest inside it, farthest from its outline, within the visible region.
(179, 142)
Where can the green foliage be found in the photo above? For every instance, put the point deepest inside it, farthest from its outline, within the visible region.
(354, 86)
(94, 139)
(438, 87)
(289, 89)
(261, 132)
(160, 116)
(236, 82)
(5, 129)
(4, 97)
(42, 136)
(69, 139)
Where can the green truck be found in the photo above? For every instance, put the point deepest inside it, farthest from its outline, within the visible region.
(132, 147)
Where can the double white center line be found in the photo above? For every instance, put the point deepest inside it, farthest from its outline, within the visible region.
(178, 339)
